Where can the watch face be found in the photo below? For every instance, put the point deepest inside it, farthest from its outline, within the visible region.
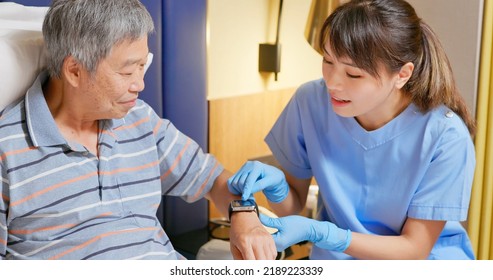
(243, 205)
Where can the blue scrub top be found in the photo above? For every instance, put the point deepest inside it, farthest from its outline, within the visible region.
(419, 165)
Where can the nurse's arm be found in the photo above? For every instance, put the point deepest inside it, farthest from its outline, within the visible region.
(296, 199)
(415, 242)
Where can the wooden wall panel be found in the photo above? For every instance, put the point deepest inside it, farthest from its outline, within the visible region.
(238, 126)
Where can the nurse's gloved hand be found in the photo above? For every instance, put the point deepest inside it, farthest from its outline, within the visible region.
(255, 176)
(295, 229)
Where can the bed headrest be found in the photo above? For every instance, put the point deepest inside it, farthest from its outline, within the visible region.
(21, 49)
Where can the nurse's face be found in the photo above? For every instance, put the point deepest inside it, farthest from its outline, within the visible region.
(355, 93)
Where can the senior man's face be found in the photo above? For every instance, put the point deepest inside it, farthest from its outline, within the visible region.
(119, 78)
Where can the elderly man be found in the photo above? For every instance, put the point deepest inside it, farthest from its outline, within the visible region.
(84, 162)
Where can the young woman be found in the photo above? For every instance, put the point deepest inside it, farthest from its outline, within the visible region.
(387, 137)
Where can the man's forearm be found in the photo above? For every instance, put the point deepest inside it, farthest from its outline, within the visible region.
(220, 195)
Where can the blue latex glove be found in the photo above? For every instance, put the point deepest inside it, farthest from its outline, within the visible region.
(255, 176)
(295, 229)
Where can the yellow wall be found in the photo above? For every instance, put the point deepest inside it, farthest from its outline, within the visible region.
(237, 27)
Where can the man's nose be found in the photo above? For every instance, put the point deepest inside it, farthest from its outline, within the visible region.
(138, 84)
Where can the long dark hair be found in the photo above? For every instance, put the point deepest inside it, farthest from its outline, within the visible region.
(389, 32)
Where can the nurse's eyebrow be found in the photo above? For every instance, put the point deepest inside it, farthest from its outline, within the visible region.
(352, 64)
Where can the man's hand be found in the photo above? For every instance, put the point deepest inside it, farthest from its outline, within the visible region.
(249, 240)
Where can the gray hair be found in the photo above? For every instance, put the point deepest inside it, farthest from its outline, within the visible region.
(88, 30)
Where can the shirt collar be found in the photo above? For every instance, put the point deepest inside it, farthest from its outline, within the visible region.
(372, 139)
(40, 122)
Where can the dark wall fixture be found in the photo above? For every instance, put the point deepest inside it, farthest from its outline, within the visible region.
(269, 59)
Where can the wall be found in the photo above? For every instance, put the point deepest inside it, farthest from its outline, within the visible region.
(236, 28)
(243, 103)
(458, 26)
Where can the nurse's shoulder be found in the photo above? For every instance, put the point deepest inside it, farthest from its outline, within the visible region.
(442, 120)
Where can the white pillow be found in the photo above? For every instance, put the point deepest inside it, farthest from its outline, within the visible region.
(21, 49)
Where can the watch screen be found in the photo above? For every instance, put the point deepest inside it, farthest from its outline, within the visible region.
(244, 204)
(238, 203)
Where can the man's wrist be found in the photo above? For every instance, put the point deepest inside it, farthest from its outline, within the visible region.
(242, 216)
(242, 206)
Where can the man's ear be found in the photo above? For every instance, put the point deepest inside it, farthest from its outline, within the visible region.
(404, 74)
(71, 70)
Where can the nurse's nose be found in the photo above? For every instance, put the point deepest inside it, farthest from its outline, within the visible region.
(333, 82)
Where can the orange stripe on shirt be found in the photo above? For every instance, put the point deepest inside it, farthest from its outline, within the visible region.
(106, 214)
(177, 160)
(17, 152)
(28, 231)
(4, 197)
(43, 191)
(159, 233)
(129, 169)
(3, 242)
(155, 206)
(158, 125)
(137, 123)
(109, 133)
(94, 239)
(199, 191)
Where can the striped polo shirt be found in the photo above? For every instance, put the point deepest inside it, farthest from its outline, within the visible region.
(59, 201)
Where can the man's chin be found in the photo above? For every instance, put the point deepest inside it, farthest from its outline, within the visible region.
(118, 115)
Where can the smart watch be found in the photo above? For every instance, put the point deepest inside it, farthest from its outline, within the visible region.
(242, 206)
